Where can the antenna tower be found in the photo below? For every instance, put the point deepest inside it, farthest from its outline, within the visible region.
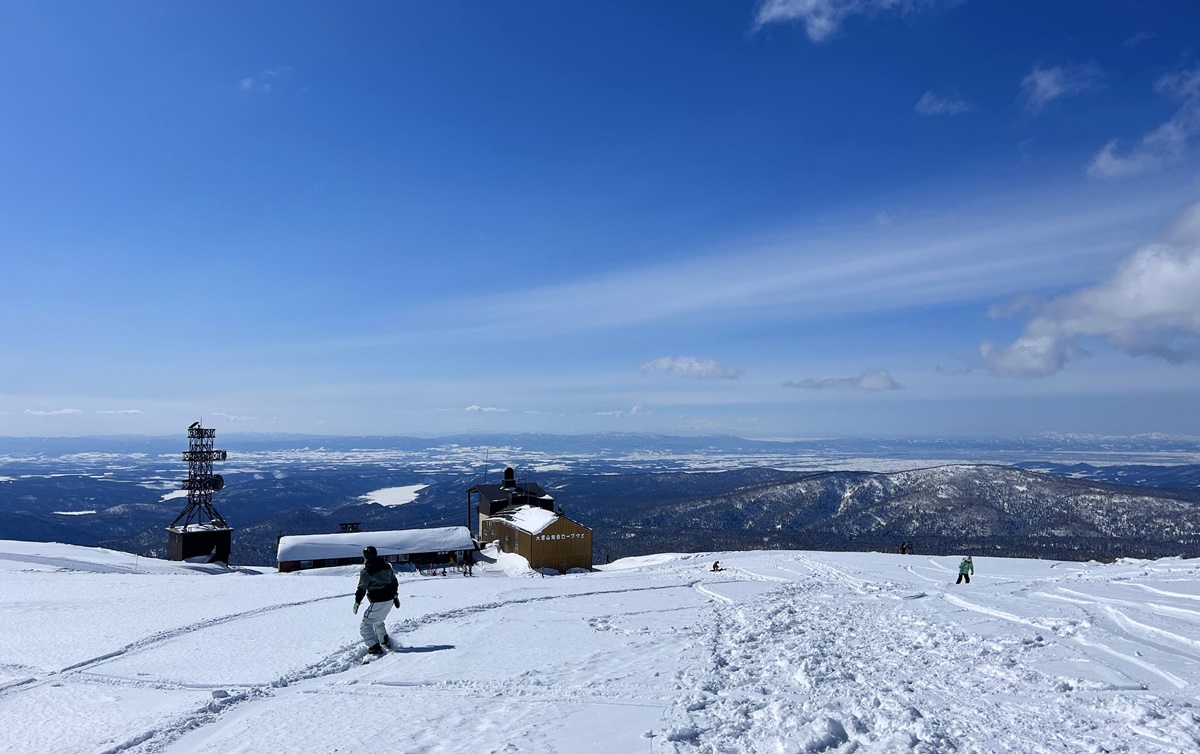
(199, 529)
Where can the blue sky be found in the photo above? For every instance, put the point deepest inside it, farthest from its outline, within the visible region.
(789, 218)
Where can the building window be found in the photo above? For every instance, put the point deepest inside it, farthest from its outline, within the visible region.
(306, 564)
(331, 561)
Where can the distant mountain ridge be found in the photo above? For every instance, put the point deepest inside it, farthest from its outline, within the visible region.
(946, 508)
(641, 493)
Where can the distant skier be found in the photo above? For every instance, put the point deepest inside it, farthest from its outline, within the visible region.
(965, 569)
(378, 583)
(469, 563)
(717, 566)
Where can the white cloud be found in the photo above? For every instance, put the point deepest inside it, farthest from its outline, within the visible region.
(1024, 303)
(635, 411)
(691, 366)
(264, 80)
(1044, 85)
(55, 412)
(1149, 307)
(122, 411)
(933, 104)
(872, 379)
(485, 409)
(1166, 144)
(966, 252)
(821, 18)
(233, 418)
(1137, 39)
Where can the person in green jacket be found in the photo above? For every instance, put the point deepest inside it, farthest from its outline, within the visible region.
(965, 569)
(377, 582)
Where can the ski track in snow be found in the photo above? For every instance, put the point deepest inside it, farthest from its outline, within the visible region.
(749, 697)
(780, 652)
(156, 639)
(68, 564)
(348, 657)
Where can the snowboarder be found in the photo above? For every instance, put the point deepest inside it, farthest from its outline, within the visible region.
(378, 583)
(965, 569)
(717, 566)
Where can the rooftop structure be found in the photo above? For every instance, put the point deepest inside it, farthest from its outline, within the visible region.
(490, 499)
(302, 551)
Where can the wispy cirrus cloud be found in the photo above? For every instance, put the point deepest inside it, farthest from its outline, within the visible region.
(1035, 242)
(233, 417)
(691, 366)
(934, 104)
(870, 380)
(822, 18)
(121, 411)
(1139, 38)
(1164, 145)
(53, 412)
(1149, 307)
(1044, 85)
(485, 409)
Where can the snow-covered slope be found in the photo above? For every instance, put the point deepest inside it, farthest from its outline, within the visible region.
(781, 652)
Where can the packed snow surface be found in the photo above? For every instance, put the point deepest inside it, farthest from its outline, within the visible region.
(528, 518)
(794, 652)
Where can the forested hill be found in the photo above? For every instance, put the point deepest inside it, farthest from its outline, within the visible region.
(978, 508)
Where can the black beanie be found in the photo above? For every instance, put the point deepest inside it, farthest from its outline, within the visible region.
(369, 551)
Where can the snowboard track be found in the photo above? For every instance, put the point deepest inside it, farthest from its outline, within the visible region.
(348, 657)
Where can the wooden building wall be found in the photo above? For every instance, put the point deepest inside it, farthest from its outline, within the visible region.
(562, 545)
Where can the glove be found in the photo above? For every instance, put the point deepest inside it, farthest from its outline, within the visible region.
(396, 601)
(356, 608)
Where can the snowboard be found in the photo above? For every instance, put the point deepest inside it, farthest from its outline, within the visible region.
(369, 658)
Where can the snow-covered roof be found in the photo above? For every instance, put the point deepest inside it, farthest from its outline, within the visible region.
(528, 518)
(351, 544)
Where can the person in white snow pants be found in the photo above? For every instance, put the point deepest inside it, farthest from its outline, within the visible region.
(377, 582)
(373, 631)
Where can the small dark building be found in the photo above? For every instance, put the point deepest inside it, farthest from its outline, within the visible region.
(207, 540)
(490, 499)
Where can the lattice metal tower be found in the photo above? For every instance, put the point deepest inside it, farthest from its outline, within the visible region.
(200, 530)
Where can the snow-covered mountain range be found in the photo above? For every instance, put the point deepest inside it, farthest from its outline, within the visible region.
(640, 493)
(995, 509)
(782, 651)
